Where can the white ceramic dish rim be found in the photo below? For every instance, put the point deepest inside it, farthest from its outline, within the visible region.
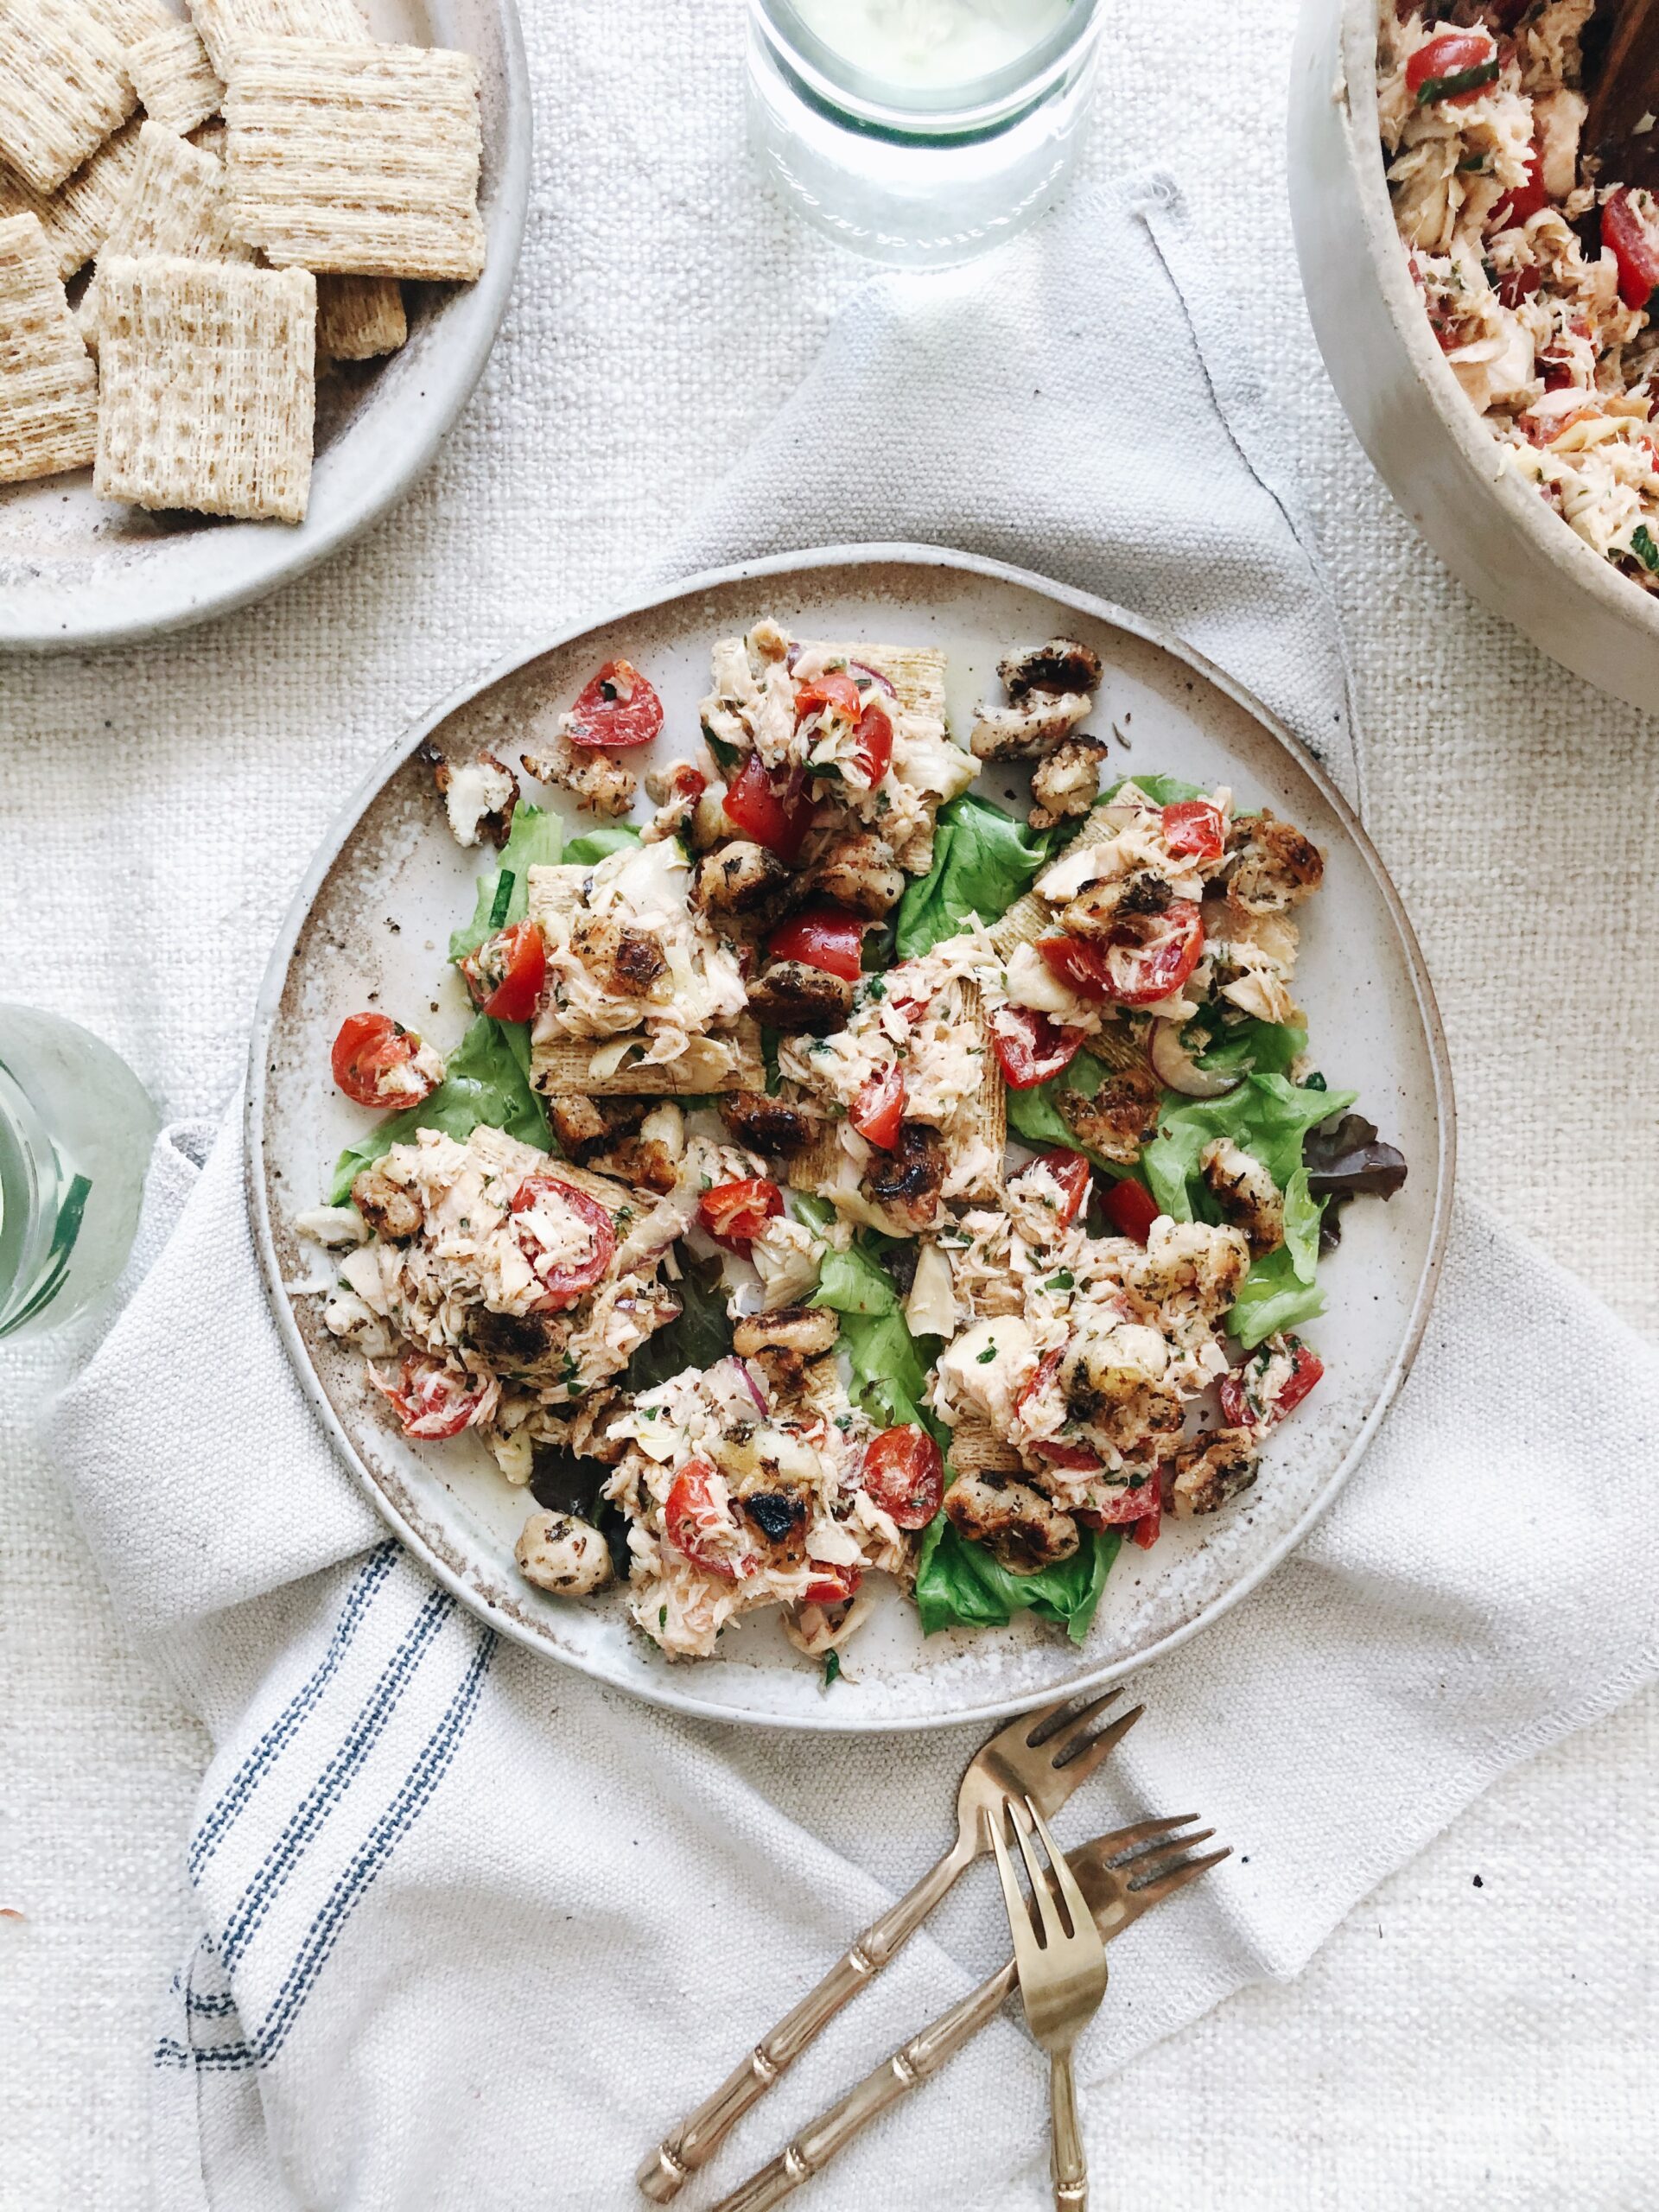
(1555, 540)
(829, 1721)
(260, 557)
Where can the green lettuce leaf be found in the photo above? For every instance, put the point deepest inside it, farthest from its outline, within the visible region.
(487, 1085)
(982, 860)
(1256, 1048)
(959, 1584)
(596, 845)
(702, 1335)
(1267, 1114)
(889, 1366)
(535, 840)
(1035, 1115)
(1273, 1297)
(1162, 790)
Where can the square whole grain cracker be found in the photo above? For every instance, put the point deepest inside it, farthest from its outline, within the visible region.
(127, 20)
(731, 1061)
(175, 202)
(208, 375)
(77, 217)
(64, 87)
(176, 82)
(359, 318)
(357, 159)
(48, 387)
(227, 25)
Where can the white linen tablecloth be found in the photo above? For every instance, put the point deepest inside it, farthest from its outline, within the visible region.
(161, 805)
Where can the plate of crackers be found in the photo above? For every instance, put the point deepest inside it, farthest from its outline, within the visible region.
(254, 258)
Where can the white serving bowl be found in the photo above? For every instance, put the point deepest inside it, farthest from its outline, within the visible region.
(1434, 453)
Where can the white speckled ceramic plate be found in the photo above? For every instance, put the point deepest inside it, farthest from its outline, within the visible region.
(78, 571)
(374, 915)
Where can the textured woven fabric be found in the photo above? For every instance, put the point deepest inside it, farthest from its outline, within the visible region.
(1450, 2044)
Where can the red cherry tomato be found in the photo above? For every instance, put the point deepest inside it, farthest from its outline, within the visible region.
(1130, 1208)
(1077, 1457)
(734, 1213)
(1030, 1047)
(506, 974)
(1524, 200)
(433, 1399)
(875, 753)
(823, 937)
(1439, 70)
(835, 1585)
(878, 1111)
(1635, 242)
(1127, 1505)
(564, 1282)
(1192, 826)
(1145, 958)
(1243, 1407)
(618, 709)
(1145, 1530)
(1039, 1382)
(371, 1063)
(904, 1474)
(693, 1523)
(834, 688)
(1073, 1174)
(774, 811)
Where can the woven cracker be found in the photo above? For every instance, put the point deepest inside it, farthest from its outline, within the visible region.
(227, 26)
(565, 1064)
(359, 318)
(977, 1449)
(357, 159)
(129, 20)
(64, 88)
(77, 217)
(48, 388)
(502, 1154)
(174, 203)
(176, 82)
(1033, 917)
(209, 138)
(209, 386)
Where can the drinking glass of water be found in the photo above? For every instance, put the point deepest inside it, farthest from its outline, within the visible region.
(920, 131)
(76, 1128)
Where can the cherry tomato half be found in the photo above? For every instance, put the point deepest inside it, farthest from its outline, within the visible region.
(1075, 1457)
(1030, 1046)
(694, 1524)
(1126, 1505)
(1073, 1174)
(618, 709)
(904, 1474)
(372, 1062)
(1145, 958)
(822, 936)
(835, 1585)
(1240, 1407)
(1635, 248)
(433, 1399)
(834, 688)
(875, 753)
(1441, 69)
(1524, 200)
(506, 974)
(735, 1213)
(775, 811)
(1192, 827)
(563, 1283)
(878, 1112)
(1130, 1208)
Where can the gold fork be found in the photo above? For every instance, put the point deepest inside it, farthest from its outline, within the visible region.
(1061, 1960)
(1042, 1756)
(1121, 1875)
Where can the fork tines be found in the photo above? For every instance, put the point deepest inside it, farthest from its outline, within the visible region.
(1076, 1741)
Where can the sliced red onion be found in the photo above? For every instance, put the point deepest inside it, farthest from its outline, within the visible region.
(1177, 1068)
(863, 668)
(763, 1404)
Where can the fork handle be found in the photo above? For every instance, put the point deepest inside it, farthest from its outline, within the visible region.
(907, 2068)
(1068, 2164)
(694, 2141)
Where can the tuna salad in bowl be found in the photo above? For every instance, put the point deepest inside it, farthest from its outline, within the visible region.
(1479, 282)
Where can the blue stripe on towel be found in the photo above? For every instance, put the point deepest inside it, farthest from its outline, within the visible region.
(310, 1815)
(282, 1730)
(414, 1794)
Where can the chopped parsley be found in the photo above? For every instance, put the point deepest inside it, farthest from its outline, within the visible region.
(987, 1356)
(1064, 1280)
(831, 1667)
(1642, 545)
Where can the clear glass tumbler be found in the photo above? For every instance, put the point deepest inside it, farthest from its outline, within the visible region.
(76, 1129)
(920, 132)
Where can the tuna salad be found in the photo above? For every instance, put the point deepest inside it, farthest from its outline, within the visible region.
(843, 1178)
(1536, 270)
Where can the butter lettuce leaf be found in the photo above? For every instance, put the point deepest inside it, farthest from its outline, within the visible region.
(1271, 1297)
(535, 840)
(1035, 1118)
(960, 1585)
(487, 1085)
(1266, 1115)
(983, 859)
